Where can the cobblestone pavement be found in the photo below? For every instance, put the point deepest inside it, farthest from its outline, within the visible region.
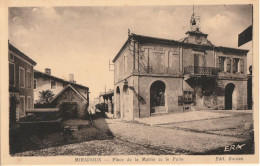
(189, 116)
(176, 138)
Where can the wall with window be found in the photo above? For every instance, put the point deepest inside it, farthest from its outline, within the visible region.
(124, 65)
(46, 84)
(231, 64)
(21, 77)
(201, 58)
(162, 60)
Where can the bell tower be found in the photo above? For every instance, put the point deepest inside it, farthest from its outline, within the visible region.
(194, 35)
(194, 21)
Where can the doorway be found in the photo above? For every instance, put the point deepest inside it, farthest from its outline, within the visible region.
(12, 111)
(157, 97)
(230, 97)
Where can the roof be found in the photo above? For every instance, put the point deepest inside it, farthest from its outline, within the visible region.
(21, 54)
(154, 40)
(111, 92)
(67, 87)
(38, 73)
(196, 32)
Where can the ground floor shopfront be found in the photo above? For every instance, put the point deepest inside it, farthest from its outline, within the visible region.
(144, 96)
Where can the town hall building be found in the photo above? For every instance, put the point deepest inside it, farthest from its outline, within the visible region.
(155, 75)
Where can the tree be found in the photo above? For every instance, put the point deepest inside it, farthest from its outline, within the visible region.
(45, 96)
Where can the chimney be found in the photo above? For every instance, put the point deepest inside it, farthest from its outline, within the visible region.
(48, 71)
(71, 78)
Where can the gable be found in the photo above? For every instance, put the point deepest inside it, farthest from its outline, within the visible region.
(69, 94)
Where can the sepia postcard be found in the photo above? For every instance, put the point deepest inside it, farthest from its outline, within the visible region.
(129, 82)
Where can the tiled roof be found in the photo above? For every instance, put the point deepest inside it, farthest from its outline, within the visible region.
(110, 92)
(38, 73)
(74, 89)
(160, 41)
(20, 53)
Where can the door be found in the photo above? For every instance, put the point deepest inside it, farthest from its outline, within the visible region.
(12, 111)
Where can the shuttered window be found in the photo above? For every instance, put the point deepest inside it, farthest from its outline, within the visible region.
(29, 79)
(228, 69)
(21, 77)
(221, 63)
(11, 74)
(242, 66)
(235, 65)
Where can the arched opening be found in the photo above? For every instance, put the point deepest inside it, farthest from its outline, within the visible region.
(157, 97)
(118, 105)
(230, 97)
(12, 110)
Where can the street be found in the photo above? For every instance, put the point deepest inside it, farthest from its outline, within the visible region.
(229, 134)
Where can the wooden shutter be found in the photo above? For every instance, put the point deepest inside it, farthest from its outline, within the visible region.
(242, 65)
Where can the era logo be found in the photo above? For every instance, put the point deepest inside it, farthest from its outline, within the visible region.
(233, 147)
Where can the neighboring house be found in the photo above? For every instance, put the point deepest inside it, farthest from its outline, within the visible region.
(20, 83)
(108, 99)
(154, 75)
(68, 94)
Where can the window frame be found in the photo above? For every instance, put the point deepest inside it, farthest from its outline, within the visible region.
(29, 97)
(24, 103)
(14, 74)
(21, 68)
(29, 71)
(12, 60)
(188, 97)
(55, 84)
(235, 65)
(35, 83)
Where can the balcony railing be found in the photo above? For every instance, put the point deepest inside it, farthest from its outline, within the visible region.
(197, 70)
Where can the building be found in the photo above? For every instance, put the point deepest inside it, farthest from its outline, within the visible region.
(108, 99)
(155, 75)
(70, 97)
(20, 84)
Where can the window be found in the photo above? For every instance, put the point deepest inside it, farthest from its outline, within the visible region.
(168, 59)
(221, 63)
(11, 74)
(228, 64)
(29, 102)
(241, 65)
(11, 57)
(235, 65)
(187, 97)
(29, 79)
(22, 105)
(21, 77)
(34, 84)
(145, 60)
(53, 85)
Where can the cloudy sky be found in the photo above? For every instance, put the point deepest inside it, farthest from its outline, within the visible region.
(82, 40)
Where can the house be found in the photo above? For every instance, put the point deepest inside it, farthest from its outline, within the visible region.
(108, 99)
(154, 75)
(70, 97)
(20, 84)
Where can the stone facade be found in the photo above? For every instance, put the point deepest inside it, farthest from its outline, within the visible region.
(154, 75)
(71, 97)
(20, 83)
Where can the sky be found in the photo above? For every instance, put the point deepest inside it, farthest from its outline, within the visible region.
(82, 40)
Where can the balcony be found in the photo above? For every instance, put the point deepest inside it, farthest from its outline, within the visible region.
(197, 70)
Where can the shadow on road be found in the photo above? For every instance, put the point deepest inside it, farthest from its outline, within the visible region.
(41, 136)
